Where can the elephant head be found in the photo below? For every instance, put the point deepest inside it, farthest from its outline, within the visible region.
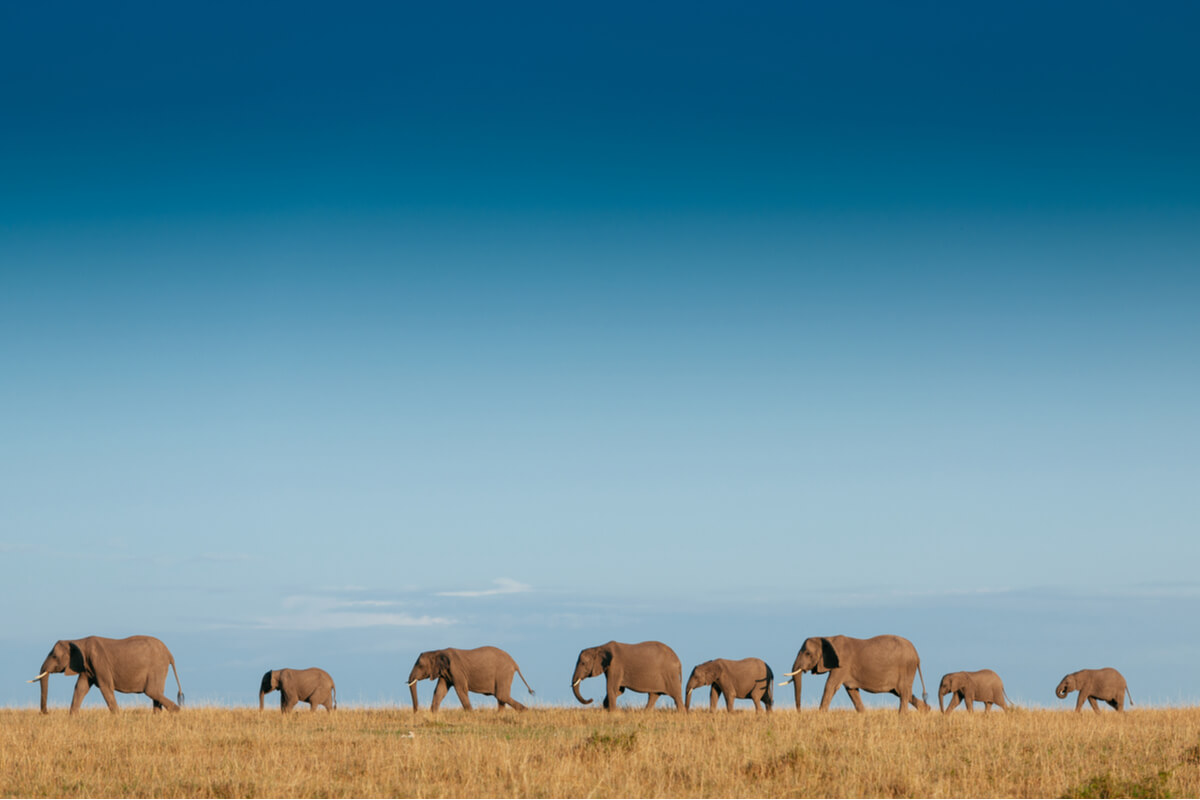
(817, 655)
(432, 664)
(702, 675)
(592, 661)
(951, 683)
(270, 683)
(64, 657)
(1067, 685)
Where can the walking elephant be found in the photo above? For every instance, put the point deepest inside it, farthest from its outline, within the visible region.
(312, 686)
(1095, 684)
(749, 678)
(649, 667)
(983, 686)
(484, 670)
(876, 665)
(137, 665)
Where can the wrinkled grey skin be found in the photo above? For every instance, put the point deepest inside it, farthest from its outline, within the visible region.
(1105, 684)
(879, 664)
(312, 686)
(649, 667)
(748, 678)
(136, 665)
(982, 686)
(483, 670)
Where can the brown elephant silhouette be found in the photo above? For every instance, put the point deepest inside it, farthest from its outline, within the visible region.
(483, 670)
(748, 678)
(312, 686)
(1095, 684)
(136, 665)
(981, 686)
(649, 667)
(876, 665)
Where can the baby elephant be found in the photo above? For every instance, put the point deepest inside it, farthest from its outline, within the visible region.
(983, 686)
(312, 686)
(749, 678)
(1096, 684)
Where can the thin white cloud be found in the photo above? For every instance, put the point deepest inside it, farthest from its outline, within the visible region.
(503, 586)
(318, 613)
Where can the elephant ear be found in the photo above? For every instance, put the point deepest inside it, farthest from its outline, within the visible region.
(829, 655)
(442, 667)
(606, 657)
(77, 660)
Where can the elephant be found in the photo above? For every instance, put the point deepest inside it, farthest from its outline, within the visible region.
(312, 686)
(137, 665)
(879, 664)
(748, 678)
(649, 667)
(983, 686)
(1095, 684)
(484, 670)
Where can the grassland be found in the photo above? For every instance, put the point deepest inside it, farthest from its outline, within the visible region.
(213, 752)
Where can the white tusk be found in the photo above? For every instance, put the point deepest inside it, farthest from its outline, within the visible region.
(38, 678)
(576, 683)
(793, 672)
(784, 683)
(414, 680)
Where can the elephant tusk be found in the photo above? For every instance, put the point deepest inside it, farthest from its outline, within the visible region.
(793, 672)
(38, 678)
(784, 683)
(576, 683)
(414, 680)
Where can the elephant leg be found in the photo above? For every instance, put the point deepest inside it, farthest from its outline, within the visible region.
(651, 700)
(81, 688)
(288, 702)
(714, 695)
(1092, 701)
(969, 701)
(439, 692)
(1114, 704)
(905, 693)
(831, 687)
(463, 699)
(757, 704)
(987, 706)
(161, 701)
(1079, 701)
(505, 699)
(954, 699)
(857, 700)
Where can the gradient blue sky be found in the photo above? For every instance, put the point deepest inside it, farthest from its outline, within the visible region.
(333, 334)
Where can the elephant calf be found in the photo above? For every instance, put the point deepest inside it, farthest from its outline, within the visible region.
(1095, 684)
(312, 686)
(982, 686)
(749, 678)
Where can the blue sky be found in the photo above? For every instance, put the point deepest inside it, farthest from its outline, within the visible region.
(333, 335)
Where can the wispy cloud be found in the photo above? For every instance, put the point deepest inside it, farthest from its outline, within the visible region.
(319, 613)
(503, 586)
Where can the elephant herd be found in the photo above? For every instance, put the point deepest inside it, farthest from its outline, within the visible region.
(880, 665)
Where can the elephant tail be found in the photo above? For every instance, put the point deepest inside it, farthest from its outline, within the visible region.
(924, 694)
(527, 686)
(1129, 694)
(333, 695)
(175, 671)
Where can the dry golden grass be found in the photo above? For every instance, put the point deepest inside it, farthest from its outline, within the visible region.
(211, 752)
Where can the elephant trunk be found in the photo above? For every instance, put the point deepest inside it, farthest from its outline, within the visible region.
(796, 686)
(412, 687)
(45, 680)
(1061, 691)
(576, 679)
(261, 695)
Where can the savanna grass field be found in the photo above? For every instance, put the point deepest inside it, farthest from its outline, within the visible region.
(564, 752)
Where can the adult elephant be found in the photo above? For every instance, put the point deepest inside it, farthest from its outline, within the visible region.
(136, 665)
(484, 670)
(649, 667)
(983, 686)
(749, 678)
(879, 664)
(312, 686)
(1095, 684)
